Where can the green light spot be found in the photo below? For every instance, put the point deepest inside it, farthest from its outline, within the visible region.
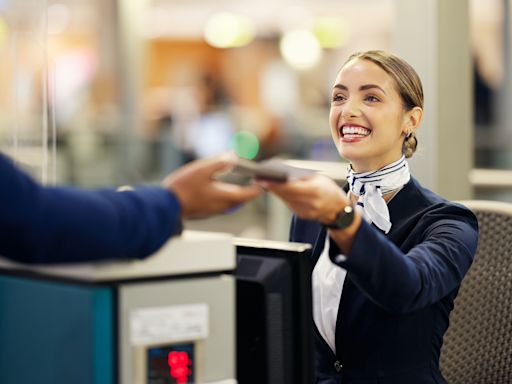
(245, 144)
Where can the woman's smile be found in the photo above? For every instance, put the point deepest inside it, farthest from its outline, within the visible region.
(351, 133)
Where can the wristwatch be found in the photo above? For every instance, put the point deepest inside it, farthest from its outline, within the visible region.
(343, 219)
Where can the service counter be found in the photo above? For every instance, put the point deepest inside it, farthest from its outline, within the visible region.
(167, 319)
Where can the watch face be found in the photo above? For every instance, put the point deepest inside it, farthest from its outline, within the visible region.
(343, 219)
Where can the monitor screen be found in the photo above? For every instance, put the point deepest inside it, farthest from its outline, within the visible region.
(274, 316)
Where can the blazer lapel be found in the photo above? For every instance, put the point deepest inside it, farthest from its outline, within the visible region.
(401, 209)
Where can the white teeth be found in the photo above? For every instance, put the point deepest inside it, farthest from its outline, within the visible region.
(354, 130)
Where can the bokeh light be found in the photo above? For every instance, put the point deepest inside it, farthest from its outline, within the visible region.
(245, 144)
(228, 30)
(300, 49)
(331, 32)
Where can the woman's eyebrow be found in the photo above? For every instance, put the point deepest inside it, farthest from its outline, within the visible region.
(371, 86)
(364, 87)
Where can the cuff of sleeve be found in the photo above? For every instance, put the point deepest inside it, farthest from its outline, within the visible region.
(361, 248)
(178, 226)
(170, 212)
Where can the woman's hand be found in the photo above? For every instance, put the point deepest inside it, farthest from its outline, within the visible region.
(318, 198)
(313, 198)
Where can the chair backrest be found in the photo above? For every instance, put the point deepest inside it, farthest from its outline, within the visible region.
(478, 344)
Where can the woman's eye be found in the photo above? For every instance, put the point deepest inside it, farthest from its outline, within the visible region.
(372, 98)
(337, 98)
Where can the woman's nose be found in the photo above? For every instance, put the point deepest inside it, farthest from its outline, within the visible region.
(350, 109)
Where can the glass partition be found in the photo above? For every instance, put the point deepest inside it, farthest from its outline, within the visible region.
(26, 112)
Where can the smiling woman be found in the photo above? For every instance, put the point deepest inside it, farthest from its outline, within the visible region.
(377, 105)
(387, 272)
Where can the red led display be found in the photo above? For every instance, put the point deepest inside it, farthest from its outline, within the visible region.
(179, 366)
(171, 364)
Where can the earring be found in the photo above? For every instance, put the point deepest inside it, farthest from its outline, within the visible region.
(410, 133)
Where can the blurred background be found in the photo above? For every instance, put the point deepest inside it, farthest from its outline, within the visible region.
(99, 93)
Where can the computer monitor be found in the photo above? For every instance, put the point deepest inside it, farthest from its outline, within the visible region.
(274, 315)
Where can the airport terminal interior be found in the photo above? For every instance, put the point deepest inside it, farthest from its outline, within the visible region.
(105, 93)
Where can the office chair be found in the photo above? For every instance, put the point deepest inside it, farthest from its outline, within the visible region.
(477, 347)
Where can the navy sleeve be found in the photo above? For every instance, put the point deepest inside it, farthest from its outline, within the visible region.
(57, 224)
(403, 282)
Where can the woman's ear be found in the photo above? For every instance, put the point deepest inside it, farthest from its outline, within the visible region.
(413, 119)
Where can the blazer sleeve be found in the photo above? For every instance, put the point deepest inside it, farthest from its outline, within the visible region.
(446, 241)
(59, 224)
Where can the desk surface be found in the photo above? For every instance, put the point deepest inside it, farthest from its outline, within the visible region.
(192, 252)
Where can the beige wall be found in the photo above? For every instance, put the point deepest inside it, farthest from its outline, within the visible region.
(433, 35)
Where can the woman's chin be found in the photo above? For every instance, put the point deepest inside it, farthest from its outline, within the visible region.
(350, 154)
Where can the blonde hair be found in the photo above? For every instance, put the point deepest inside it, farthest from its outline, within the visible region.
(407, 81)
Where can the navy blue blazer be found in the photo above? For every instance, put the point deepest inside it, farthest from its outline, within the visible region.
(398, 292)
(57, 224)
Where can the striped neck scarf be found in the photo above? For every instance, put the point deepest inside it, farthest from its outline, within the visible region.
(370, 186)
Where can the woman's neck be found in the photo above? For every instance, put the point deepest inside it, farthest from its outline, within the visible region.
(372, 166)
